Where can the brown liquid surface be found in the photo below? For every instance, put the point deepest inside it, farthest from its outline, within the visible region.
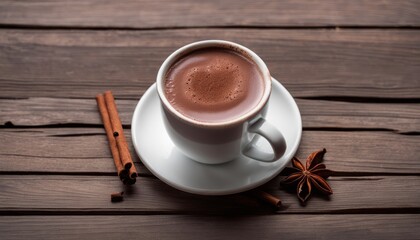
(214, 85)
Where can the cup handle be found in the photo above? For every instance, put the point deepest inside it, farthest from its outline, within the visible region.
(272, 135)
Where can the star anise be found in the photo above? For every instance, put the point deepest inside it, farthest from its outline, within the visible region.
(312, 174)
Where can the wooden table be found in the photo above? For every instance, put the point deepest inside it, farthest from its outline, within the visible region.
(352, 66)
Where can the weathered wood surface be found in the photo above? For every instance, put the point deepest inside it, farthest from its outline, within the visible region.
(374, 226)
(310, 63)
(352, 66)
(402, 118)
(208, 13)
(91, 194)
(85, 150)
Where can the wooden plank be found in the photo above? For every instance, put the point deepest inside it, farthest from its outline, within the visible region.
(55, 111)
(212, 227)
(402, 118)
(85, 150)
(190, 13)
(91, 194)
(67, 150)
(310, 63)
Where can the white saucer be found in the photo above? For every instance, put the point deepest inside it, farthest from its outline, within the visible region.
(162, 158)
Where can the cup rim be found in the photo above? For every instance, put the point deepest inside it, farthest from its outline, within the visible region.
(171, 59)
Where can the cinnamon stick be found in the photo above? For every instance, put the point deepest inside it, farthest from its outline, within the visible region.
(132, 173)
(117, 129)
(117, 197)
(116, 138)
(109, 133)
(268, 198)
(129, 181)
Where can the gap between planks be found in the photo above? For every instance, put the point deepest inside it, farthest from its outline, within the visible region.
(10, 125)
(263, 211)
(126, 28)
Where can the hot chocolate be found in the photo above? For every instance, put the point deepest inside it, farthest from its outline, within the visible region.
(214, 85)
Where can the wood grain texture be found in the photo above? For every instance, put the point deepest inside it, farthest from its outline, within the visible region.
(310, 63)
(402, 118)
(66, 150)
(190, 13)
(212, 227)
(91, 195)
(85, 150)
(56, 171)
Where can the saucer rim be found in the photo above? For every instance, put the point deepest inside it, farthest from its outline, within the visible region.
(214, 192)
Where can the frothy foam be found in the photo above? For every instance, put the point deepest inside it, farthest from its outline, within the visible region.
(213, 84)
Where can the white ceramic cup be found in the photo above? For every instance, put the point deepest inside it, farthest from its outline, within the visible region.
(220, 142)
